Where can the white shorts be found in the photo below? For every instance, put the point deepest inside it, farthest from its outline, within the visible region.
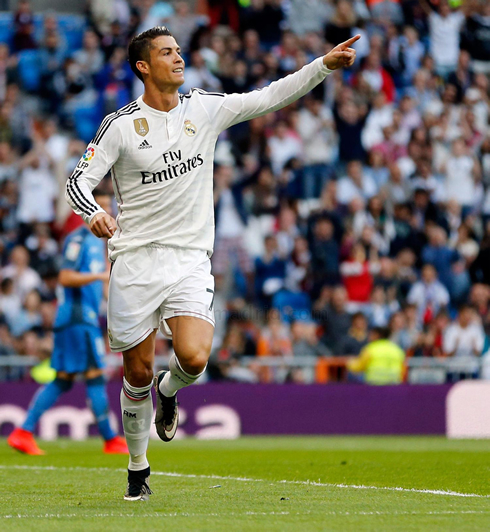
(151, 284)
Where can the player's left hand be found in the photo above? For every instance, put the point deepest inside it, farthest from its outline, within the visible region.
(342, 55)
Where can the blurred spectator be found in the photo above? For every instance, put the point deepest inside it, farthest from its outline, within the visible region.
(8, 167)
(475, 38)
(37, 186)
(29, 316)
(305, 340)
(462, 172)
(51, 58)
(183, 24)
(90, 58)
(445, 26)
(379, 312)
(335, 320)
(230, 221)
(270, 272)
(315, 127)
(357, 336)
(480, 301)
(339, 27)
(24, 27)
(25, 279)
(10, 301)
(398, 331)
(412, 51)
(305, 17)
(43, 250)
(465, 337)
(274, 339)
(283, 145)
(428, 294)
(355, 184)
(447, 262)
(357, 276)
(198, 75)
(115, 81)
(480, 268)
(265, 16)
(350, 119)
(375, 78)
(325, 254)
(381, 361)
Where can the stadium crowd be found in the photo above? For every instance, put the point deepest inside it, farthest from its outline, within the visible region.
(365, 205)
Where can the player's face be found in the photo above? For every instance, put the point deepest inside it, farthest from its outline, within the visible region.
(166, 66)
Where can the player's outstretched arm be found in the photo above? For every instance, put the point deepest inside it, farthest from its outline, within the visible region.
(226, 110)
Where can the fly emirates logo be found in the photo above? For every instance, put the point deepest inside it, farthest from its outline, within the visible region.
(176, 166)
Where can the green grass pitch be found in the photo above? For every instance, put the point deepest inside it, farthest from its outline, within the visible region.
(255, 484)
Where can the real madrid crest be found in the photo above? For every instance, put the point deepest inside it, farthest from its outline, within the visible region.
(189, 128)
(141, 126)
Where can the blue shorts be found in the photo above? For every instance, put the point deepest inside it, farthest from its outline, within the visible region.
(78, 348)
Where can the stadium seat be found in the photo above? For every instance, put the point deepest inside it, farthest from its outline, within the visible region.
(87, 120)
(72, 27)
(292, 305)
(6, 28)
(29, 71)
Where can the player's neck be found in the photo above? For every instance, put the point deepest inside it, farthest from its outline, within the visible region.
(161, 101)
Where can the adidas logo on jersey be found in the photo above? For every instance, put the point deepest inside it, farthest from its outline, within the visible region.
(144, 145)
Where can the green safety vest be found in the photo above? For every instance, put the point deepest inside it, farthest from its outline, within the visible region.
(385, 364)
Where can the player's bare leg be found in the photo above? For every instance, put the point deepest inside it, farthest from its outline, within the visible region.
(137, 413)
(191, 339)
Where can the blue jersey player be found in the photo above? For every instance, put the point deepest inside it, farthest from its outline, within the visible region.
(78, 341)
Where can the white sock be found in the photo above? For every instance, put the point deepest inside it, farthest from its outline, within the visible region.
(176, 378)
(137, 413)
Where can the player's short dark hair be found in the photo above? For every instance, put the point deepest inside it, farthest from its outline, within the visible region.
(382, 332)
(140, 46)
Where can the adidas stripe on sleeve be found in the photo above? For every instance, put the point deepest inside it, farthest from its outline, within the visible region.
(99, 157)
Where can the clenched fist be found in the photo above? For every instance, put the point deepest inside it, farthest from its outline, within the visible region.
(103, 225)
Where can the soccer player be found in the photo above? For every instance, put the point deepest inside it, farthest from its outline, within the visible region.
(78, 341)
(160, 151)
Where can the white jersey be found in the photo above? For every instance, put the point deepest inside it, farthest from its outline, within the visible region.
(162, 163)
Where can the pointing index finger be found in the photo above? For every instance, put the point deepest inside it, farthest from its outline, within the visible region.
(350, 41)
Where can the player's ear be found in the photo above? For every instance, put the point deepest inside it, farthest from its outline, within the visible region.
(142, 66)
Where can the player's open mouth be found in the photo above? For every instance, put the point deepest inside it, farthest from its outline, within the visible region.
(178, 70)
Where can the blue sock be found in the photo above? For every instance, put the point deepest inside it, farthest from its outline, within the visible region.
(43, 400)
(99, 403)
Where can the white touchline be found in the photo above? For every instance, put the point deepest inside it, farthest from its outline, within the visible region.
(236, 514)
(448, 493)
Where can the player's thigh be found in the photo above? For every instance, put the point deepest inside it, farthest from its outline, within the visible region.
(136, 291)
(188, 313)
(78, 348)
(191, 339)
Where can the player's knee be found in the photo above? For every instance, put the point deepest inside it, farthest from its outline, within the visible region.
(196, 363)
(139, 376)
